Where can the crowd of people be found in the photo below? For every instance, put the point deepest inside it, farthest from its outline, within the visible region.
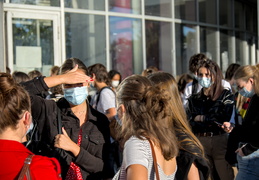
(87, 123)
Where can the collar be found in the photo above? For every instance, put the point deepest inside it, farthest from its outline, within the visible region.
(66, 109)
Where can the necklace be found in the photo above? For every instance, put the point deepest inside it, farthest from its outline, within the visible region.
(79, 112)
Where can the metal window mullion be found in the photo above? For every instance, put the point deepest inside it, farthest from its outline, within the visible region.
(218, 55)
(107, 25)
(62, 32)
(173, 52)
(144, 35)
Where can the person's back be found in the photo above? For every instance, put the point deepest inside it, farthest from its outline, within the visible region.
(150, 142)
(13, 155)
(15, 123)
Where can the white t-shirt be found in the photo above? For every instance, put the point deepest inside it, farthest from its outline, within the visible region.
(106, 100)
(137, 151)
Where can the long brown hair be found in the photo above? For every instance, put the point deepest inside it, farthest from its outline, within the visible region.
(187, 140)
(148, 114)
(14, 101)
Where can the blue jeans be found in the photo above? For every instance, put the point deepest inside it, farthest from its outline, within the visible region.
(248, 166)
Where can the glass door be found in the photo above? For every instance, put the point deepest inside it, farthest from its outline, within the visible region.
(33, 41)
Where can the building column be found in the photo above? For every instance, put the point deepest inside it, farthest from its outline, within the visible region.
(2, 56)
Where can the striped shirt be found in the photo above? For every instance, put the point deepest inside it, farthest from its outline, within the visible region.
(137, 151)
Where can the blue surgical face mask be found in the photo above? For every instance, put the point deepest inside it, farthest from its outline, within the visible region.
(204, 81)
(244, 92)
(76, 95)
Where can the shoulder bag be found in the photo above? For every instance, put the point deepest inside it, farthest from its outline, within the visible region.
(154, 159)
(26, 168)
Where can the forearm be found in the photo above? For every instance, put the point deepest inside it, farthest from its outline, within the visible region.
(89, 162)
(54, 80)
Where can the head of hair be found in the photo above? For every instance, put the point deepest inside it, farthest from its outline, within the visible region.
(112, 73)
(187, 140)
(54, 70)
(34, 73)
(149, 70)
(147, 113)
(231, 71)
(194, 61)
(246, 72)
(183, 80)
(100, 71)
(70, 63)
(216, 77)
(19, 76)
(14, 101)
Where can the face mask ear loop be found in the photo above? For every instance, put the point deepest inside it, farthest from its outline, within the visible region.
(32, 133)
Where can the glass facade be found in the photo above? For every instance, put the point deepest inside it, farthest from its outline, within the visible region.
(130, 35)
(126, 45)
(84, 41)
(125, 6)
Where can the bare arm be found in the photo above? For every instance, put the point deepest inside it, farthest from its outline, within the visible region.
(71, 77)
(137, 172)
(193, 173)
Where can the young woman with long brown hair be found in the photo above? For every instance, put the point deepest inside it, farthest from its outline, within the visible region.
(191, 160)
(145, 112)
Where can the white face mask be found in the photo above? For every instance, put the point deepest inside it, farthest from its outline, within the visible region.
(30, 128)
(115, 83)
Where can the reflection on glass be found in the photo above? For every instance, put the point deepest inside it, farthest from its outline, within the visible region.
(85, 37)
(158, 8)
(126, 45)
(225, 49)
(239, 15)
(208, 42)
(38, 2)
(185, 9)
(249, 18)
(159, 45)
(85, 4)
(186, 46)
(207, 11)
(31, 34)
(225, 13)
(125, 6)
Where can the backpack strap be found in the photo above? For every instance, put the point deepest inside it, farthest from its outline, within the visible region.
(59, 121)
(26, 168)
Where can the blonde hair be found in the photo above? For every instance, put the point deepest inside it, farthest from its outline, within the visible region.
(148, 114)
(246, 72)
(187, 140)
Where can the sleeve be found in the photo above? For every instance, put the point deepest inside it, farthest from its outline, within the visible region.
(45, 168)
(107, 99)
(226, 85)
(42, 109)
(187, 93)
(135, 152)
